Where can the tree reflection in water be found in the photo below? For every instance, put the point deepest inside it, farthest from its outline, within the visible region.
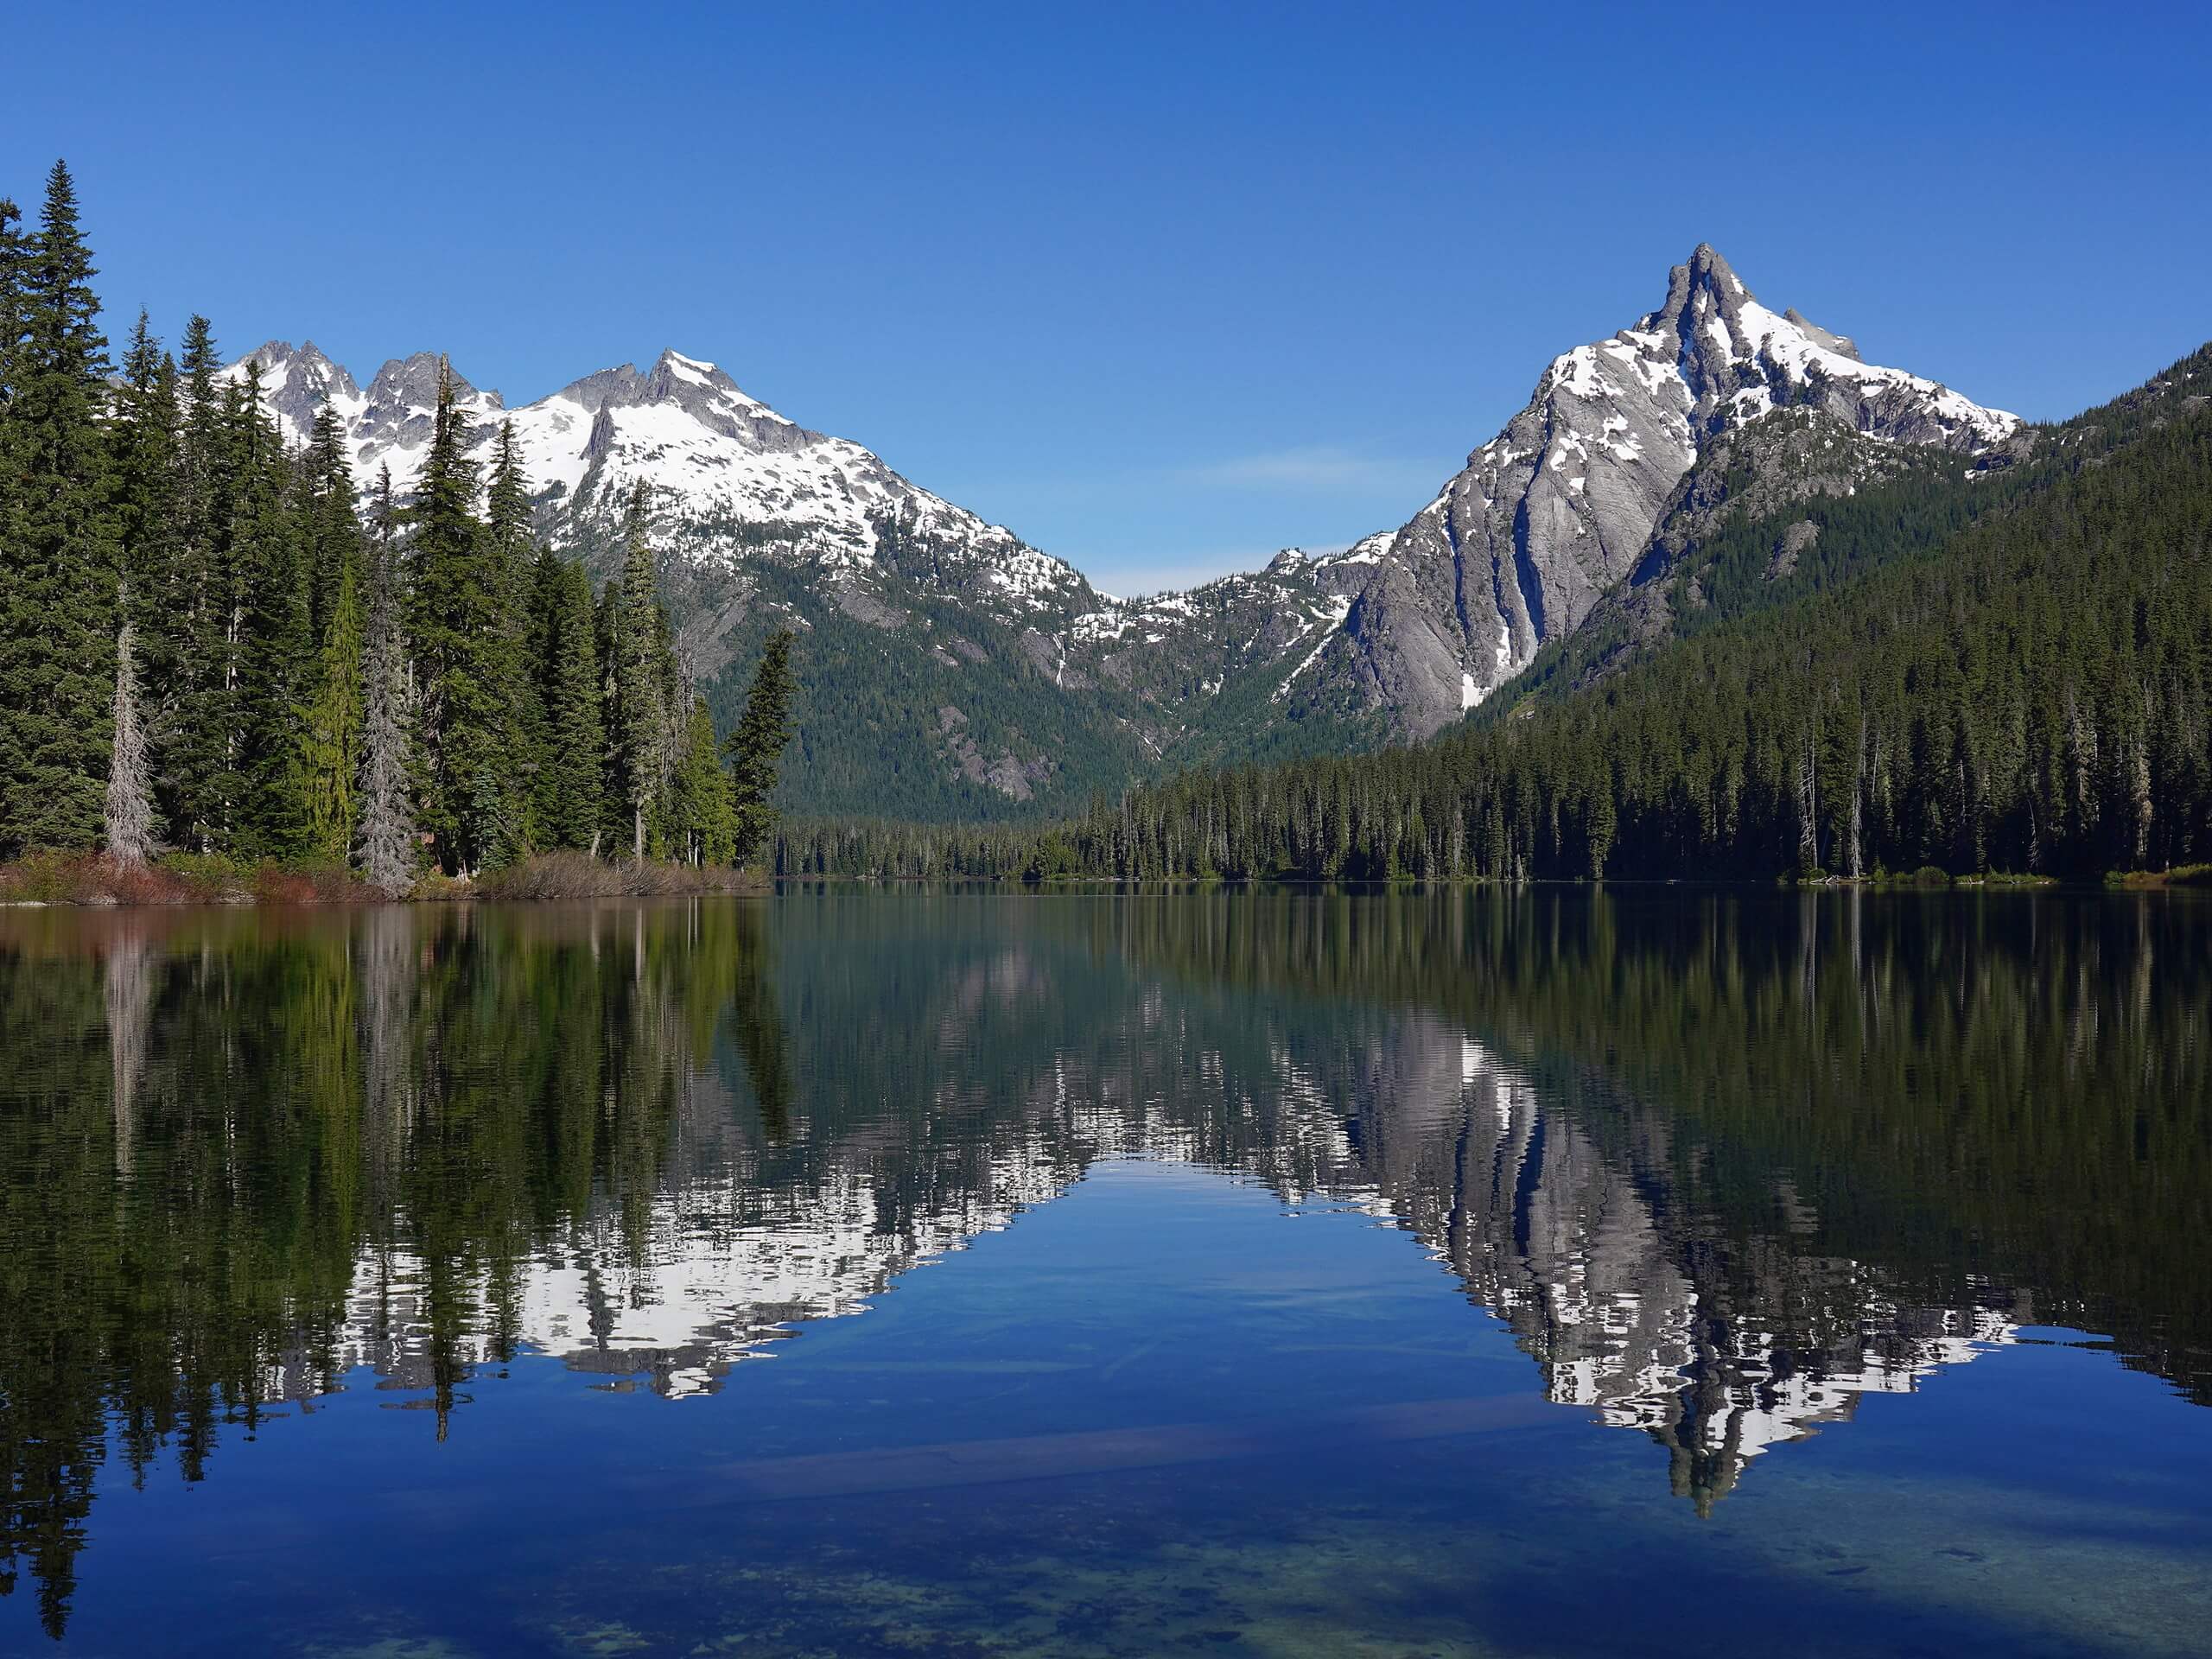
(1722, 1165)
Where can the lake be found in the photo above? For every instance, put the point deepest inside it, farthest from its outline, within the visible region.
(1549, 1272)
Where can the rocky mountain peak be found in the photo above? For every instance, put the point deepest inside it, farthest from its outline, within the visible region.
(296, 381)
(412, 383)
(1561, 506)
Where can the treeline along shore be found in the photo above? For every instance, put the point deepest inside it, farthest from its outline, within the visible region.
(2011, 678)
(225, 675)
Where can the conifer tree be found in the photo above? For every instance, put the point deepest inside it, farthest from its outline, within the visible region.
(570, 776)
(276, 658)
(14, 276)
(706, 819)
(671, 682)
(129, 803)
(57, 547)
(385, 841)
(13, 252)
(756, 747)
(193, 745)
(637, 703)
(462, 641)
(607, 630)
(143, 442)
(336, 714)
(509, 547)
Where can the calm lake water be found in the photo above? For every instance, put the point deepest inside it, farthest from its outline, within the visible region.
(947, 1272)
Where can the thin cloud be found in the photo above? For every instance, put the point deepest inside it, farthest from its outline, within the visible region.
(1318, 468)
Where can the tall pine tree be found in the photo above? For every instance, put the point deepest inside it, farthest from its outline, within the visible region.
(276, 658)
(569, 777)
(386, 840)
(636, 713)
(704, 811)
(195, 745)
(58, 567)
(336, 714)
(756, 747)
(462, 646)
(143, 439)
(508, 546)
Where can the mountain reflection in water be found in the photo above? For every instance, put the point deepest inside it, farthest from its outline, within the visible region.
(1722, 1165)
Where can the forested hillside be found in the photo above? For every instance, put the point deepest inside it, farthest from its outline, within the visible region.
(2019, 687)
(210, 647)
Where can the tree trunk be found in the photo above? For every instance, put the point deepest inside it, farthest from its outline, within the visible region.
(130, 807)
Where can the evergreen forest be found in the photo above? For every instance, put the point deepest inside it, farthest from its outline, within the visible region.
(1979, 676)
(212, 649)
(215, 653)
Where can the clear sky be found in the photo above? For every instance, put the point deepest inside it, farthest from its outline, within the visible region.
(1163, 288)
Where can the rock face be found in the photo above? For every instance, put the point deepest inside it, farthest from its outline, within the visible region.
(1559, 507)
(917, 605)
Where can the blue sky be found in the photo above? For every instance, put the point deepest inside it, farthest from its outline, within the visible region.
(1164, 289)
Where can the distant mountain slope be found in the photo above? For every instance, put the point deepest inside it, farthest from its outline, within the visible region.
(953, 671)
(1515, 550)
(2013, 677)
(1798, 503)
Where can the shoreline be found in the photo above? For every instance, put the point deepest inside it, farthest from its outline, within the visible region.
(96, 883)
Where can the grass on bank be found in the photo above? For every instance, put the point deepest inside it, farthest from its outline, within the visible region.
(94, 878)
(2183, 875)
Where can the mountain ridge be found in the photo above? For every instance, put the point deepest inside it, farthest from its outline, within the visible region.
(765, 522)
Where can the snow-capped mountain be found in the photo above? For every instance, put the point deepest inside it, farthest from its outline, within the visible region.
(936, 634)
(711, 454)
(1559, 507)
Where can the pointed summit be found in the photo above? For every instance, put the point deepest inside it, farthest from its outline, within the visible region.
(413, 382)
(1561, 504)
(1707, 265)
(297, 381)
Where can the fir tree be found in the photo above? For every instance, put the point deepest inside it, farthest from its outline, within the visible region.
(13, 273)
(143, 441)
(462, 639)
(129, 803)
(756, 747)
(57, 543)
(143, 458)
(607, 631)
(508, 546)
(637, 705)
(706, 819)
(336, 714)
(277, 657)
(570, 777)
(193, 744)
(386, 837)
(663, 836)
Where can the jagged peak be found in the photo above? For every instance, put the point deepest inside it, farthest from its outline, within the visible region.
(282, 354)
(414, 380)
(692, 368)
(1707, 265)
(1704, 285)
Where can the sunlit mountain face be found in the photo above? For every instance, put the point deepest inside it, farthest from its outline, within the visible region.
(1714, 1170)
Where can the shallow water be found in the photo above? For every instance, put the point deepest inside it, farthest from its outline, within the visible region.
(1646, 1272)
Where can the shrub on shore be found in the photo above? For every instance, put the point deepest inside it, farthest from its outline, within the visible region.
(96, 879)
(2183, 875)
(576, 876)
